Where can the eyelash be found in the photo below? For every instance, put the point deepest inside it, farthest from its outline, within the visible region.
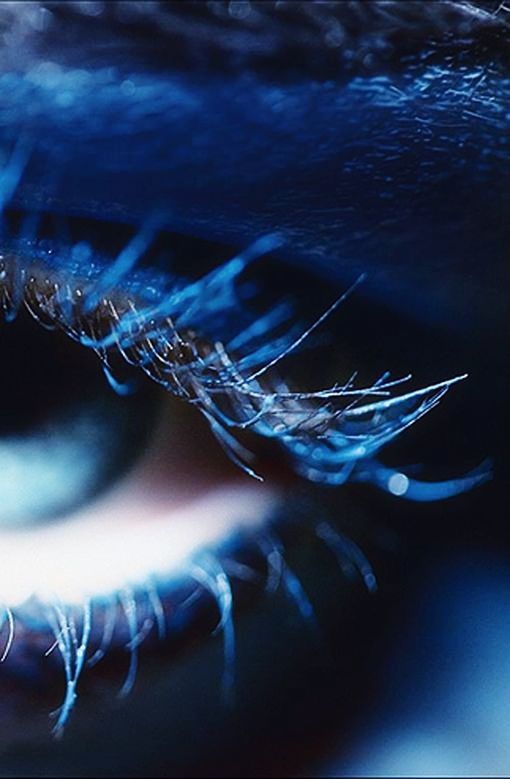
(227, 372)
(327, 433)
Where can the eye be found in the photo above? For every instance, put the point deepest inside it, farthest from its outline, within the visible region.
(202, 342)
(186, 337)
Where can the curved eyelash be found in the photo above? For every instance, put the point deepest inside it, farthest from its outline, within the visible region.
(325, 441)
(201, 344)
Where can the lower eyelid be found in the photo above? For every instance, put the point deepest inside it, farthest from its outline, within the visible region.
(190, 612)
(123, 540)
(126, 555)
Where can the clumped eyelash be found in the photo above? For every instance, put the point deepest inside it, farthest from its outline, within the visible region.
(231, 379)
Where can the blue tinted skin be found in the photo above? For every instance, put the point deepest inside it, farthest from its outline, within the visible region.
(354, 173)
(267, 156)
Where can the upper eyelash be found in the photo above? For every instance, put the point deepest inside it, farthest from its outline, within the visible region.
(230, 378)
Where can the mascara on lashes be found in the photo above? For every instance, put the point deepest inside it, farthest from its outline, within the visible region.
(199, 341)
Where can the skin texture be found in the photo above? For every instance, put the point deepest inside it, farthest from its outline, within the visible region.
(372, 137)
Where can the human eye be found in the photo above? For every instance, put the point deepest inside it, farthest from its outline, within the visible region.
(175, 215)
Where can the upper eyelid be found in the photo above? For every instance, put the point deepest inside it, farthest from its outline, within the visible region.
(102, 104)
(322, 227)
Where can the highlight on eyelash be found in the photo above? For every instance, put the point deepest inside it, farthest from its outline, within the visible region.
(233, 381)
(198, 341)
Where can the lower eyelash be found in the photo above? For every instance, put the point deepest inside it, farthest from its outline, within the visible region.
(128, 618)
(331, 435)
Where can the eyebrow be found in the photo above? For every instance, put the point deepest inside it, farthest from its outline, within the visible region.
(280, 38)
(236, 155)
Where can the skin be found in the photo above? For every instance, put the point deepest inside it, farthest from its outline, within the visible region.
(238, 146)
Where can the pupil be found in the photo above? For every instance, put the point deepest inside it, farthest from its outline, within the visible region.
(65, 436)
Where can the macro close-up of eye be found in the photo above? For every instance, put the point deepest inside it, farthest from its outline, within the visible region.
(254, 295)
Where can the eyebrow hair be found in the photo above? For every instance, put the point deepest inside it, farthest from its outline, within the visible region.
(327, 38)
(91, 157)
